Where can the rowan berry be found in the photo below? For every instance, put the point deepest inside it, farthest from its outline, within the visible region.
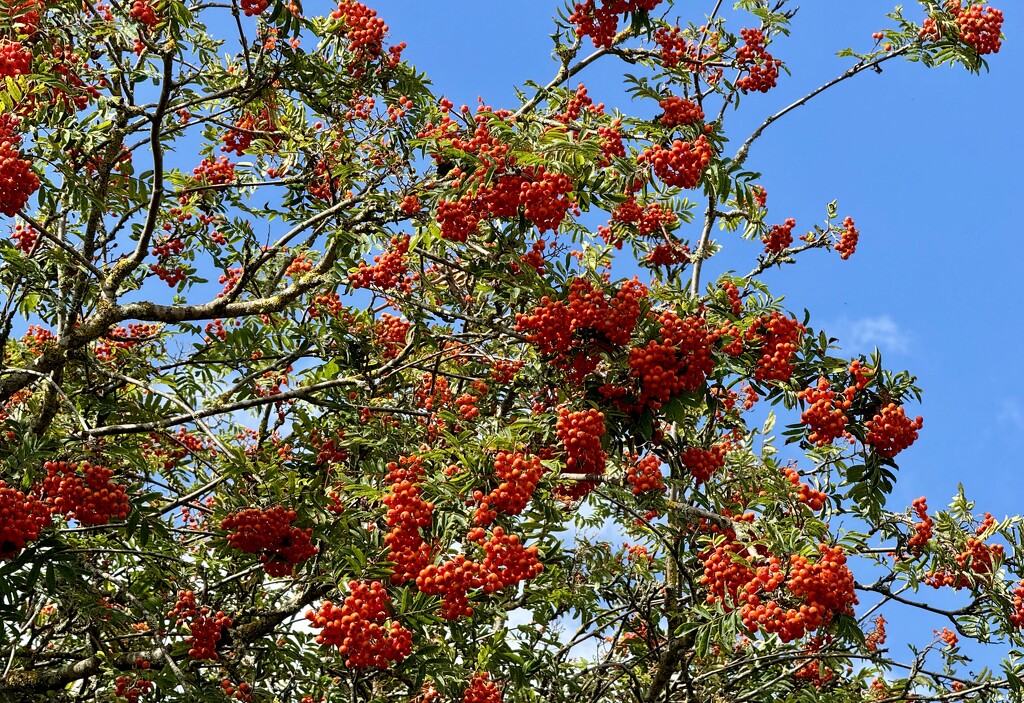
(890, 431)
(645, 475)
(979, 27)
(682, 164)
(271, 534)
(703, 463)
(359, 628)
(824, 416)
(84, 492)
(481, 690)
(780, 237)
(679, 111)
(22, 518)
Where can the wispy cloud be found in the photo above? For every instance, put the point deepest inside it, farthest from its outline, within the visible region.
(1011, 414)
(865, 333)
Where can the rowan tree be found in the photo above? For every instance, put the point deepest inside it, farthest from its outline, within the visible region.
(317, 387)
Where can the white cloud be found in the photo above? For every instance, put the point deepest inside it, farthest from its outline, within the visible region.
(865, 333)
(1011, 414)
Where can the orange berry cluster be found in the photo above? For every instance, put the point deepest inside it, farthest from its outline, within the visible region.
(15, 59)
(131, 689)
(184, 607)
(389, 269)
(824, 414)
(215, 172)
(89, 498)
(826, 586)
(407, 513)
(359, 627)
(481, 689)
(977, 559)
(240, 139)
(923, 529)
(580, 433)
(811, 497)
(601, 23)
(363, 29)
(206, 631)
(762, 67)
(253, 7)
(271, 534)
(645, 475)
(452, 580)
(780, 337)
(241, 692)
(391, 332)
(24, 237)
(733, 294)
(890, 431)
(519, 475)
(681, 165)
(847, 244)
(142, 12)
(678, 363)
(703, 463)
(780, 237)
(979, 27)
(17, 179)
(564, 328)
(679, 111)
(22, 518)
(876, 638)
(1017, 618)
(507, 561)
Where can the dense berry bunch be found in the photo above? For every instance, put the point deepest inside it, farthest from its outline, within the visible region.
(922, 530)
(253, 7)
(457, 218)
(679, 111)
(363, 29)
(847, 244)
(452, 580)
(703, 463)
(580, 433)
(519, 475)
(24, 237)
(507, 561)
(206, 630)
(391, 332)
(977, 559)
(678, 362)
(733, 295)
(15, 59)
(779, 237)
(1017, 618)
(83, 492)
(22, 518)
(890, 431)
(481, 690)
(600, 23)
(212, 171)
(645, 475)
(544, 197)
(824, 416)
(407, 514)
(184, 607)
(762, 68)
(388, 270)
(681, 165)
(780, 337)
(142, 12)
(17, 179)
(359, 628)
(979, 27)
(131, 689)
(271, 534)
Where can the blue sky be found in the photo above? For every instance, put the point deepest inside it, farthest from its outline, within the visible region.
(927, 161)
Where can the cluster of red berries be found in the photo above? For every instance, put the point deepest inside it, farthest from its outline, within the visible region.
(24, 237)
(363, 29)
(407, 514)
(271, 534)
(825, 586)
(15, 59)
(780, 338)
(677, 362)
(452, 580)
(760, 195)
(811, 497)
(507, 561)
(651, 219)
(876, 638)
(703, 463)
(679, 111)
(481, 690)
(979, 26)
(601, 23)
(391, 332)
(682, 164)
(847, 244)
(977, 559)
(242, 692)
(923, 529)
(17, 180)
(359, 628)
(184, 607)
(519, 475)
(580, 433)
(215, 171)
(779, 237)
(206, 630)
(890, 431)
(825, 414)
(610, 139)
(762, 68)
(83, 492)
(22, 518)
(253, 7)
(389, 268)
(732, 294)
(171, 277)
(131, 689)
(645, 475)
(142, 12)
(572, 330)
(575, 105)
(1017, 617)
